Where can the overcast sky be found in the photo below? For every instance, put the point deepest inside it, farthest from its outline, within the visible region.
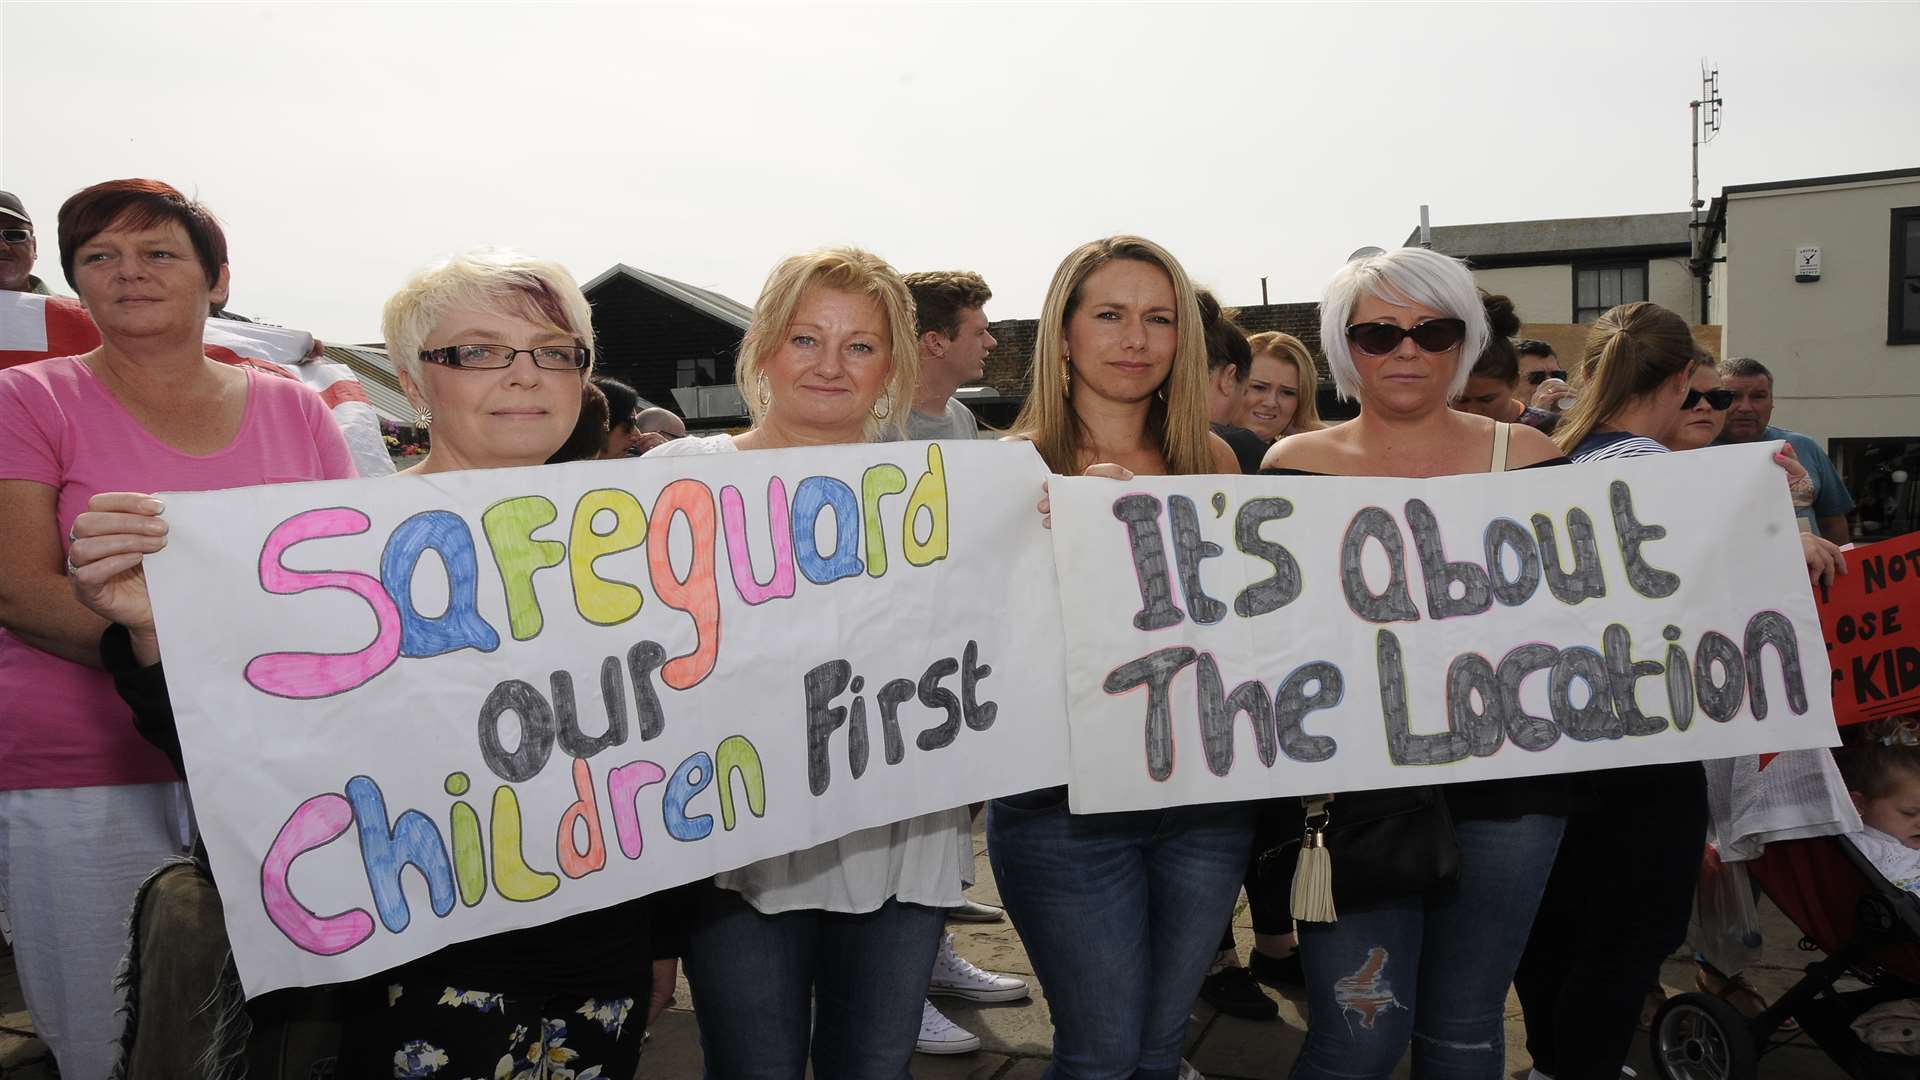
(344, 146)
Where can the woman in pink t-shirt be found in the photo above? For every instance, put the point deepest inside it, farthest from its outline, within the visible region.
(87, 808)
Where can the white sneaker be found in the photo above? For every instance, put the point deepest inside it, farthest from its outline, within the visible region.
(953, 976)
(939, 1035)
(1188, 1072)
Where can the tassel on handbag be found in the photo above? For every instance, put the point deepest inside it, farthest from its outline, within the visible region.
(1312, 897)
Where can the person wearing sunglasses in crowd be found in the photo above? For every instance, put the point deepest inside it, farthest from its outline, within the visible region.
(1704, 409)
(1400, 330)
(1121, 913)
(1542, 378)
(1491, 388)
(1631, 855)
(18, 248)
(493, 349)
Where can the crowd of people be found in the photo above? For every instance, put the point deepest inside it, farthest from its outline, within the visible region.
(831, 956)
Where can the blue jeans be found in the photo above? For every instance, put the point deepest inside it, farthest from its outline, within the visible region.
(1430, 972)
(766, 988)
(1121, 914)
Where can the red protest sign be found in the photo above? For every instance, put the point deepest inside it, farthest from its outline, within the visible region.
(1870, 617)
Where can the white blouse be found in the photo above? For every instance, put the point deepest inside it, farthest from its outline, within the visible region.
(925, 860)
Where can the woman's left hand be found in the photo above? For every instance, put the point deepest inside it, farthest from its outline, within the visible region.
(1799, 482)
(1045, 505)
(1824, 558)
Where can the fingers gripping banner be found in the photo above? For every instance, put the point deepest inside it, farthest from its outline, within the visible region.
(419, 710)
(1240, 637)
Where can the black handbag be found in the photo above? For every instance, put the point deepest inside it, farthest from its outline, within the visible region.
(1374, 845)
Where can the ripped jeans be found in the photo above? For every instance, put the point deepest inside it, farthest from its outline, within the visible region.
(1430, 973)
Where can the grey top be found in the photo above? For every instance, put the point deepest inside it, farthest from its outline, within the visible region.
(956, 422)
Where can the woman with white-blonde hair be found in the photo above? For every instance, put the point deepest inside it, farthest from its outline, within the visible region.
(492, 348)
(1121, 913)
(1426, 966)
(824, 954)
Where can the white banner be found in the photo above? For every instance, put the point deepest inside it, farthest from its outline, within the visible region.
(421, 710)
(1241, 637)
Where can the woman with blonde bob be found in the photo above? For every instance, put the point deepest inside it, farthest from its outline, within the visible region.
(824, 953)
(1400, 330)
(1120, 912)
(1281, 388)
(492, 349)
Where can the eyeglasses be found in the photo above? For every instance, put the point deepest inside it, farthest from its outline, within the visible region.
(1434, 336)
(1899, 731)
(1721, 400)
(488, 357)
(16, 236)
(1535, 378)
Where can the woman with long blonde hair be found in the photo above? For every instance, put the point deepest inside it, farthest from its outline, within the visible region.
(1120, 912)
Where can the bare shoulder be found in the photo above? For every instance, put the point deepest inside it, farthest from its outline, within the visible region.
(1528, 446)
(1308, 451)
(1224, 459)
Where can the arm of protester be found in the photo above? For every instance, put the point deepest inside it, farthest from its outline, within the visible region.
(1224, 459)
(36, 604)
(143, 686)
(1549, 393)
(665, 971)
(1824, 558)
(1528, 446)
(1836, 530)
(112, 539)
(1800, 485)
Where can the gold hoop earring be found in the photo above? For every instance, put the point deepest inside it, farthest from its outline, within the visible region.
(879, 413)
(766, 392)
(1066, 380)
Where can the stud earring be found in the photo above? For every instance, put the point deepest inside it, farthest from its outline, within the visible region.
(422, 416)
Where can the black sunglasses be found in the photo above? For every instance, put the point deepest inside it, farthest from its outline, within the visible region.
(16, 236)
(1434, 336)
(1535, 378)
(1721, 400)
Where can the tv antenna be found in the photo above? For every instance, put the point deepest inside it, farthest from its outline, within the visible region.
(1703, 127)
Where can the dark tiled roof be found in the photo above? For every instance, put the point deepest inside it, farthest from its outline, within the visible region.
(706, 301)
(1516, 240)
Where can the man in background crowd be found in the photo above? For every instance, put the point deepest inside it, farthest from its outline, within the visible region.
(655, 425)
(1542, 379)
(1748, 420)
(18, 248)
(950, 314)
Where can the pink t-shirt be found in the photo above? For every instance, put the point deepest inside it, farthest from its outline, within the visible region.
(61, 723)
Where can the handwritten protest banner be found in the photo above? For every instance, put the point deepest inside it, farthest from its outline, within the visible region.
(1871, 618)
(1238, 637)
(419, 710)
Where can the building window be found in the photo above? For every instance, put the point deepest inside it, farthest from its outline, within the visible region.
(1903, 293)
(1599, 286)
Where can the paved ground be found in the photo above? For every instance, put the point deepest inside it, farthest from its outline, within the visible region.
(1017, 1036)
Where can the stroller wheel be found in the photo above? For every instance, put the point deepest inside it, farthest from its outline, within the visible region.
(1701, 1037)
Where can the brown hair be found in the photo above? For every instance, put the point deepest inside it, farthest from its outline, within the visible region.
(1177, 421)
(139, 204)
(1875, 760)
(939, 296)
(1226, 342)
(1632, 349)
(1499, 360)
(589, 436)
(1306, 412)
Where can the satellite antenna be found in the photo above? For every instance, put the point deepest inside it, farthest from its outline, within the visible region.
(1367, 252)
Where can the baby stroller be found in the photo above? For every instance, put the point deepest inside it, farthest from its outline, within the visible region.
(1866, 927)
